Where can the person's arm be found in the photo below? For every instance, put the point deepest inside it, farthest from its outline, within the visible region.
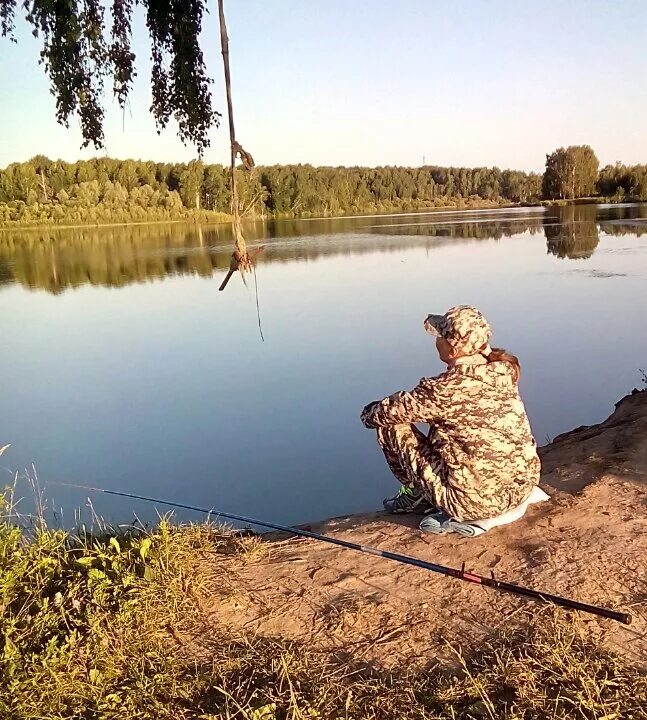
(418, 405)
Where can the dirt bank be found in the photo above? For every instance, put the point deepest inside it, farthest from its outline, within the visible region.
(589, 542)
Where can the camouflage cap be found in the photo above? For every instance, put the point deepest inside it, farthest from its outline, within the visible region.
(464, 328)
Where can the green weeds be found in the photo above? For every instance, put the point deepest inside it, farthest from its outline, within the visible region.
(92, 628)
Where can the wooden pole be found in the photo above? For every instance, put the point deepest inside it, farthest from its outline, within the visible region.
(239, 240)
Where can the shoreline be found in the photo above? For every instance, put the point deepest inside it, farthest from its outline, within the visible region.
(226, 219)
(199, 621)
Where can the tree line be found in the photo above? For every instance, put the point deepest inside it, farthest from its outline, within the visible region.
(105, 190)
(44, 191)
(573, 173)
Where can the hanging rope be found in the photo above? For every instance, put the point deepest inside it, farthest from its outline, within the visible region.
(240, 259)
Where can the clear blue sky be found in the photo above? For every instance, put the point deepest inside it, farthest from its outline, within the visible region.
(370, 82)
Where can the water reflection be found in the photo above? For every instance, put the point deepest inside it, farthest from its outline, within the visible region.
(574, 234)
(54, 260)
(113, 257)
(151, 388)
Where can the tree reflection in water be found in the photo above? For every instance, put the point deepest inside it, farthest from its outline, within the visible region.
(54, 260)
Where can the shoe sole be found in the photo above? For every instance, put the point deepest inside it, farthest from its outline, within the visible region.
(451, 527)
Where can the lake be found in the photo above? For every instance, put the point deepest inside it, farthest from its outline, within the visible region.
(123, 366)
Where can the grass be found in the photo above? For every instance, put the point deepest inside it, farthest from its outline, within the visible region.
(188, 216)
(93, 627)
(550, 671)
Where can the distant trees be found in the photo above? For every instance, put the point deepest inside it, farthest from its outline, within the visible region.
(623, 181)
(519, 186)
(190, 179)
(571, 173)
(44, 191)
(105, 190)
(91, 192)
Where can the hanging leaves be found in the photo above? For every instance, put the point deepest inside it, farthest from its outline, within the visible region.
(74, 57)
(78, 54)
(180, 86)
(122, 57)
(7, 12)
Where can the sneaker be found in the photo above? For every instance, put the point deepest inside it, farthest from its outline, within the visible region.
(407, 500)
(436, 523)
(440, 523)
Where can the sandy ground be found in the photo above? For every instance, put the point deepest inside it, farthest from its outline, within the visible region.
(589, 543)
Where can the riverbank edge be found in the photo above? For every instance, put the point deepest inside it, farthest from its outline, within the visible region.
(121, 623)
(220, 218)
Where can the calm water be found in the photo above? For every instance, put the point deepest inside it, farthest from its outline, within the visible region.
(123, 366)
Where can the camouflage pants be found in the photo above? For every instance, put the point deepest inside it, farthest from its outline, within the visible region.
(414, 463)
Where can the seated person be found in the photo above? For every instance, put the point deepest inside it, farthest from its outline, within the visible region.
(479, 459)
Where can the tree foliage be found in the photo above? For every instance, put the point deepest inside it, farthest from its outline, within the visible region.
(571, 173)
(623, 181)
(106, 190)
(79, 51)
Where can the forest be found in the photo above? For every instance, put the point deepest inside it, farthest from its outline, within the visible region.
(104, 190)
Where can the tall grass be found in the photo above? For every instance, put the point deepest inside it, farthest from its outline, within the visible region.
(82, 631)
(103, 627)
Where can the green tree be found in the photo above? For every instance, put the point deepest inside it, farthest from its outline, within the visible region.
(190, 185)
(126, 190)
(87, 193)
(216, 194)
(570, 173)
(127, 174)
(79, 50)
(623, 181)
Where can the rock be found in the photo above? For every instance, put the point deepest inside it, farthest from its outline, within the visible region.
(616, 447)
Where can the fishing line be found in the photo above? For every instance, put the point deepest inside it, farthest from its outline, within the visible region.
(258, 309)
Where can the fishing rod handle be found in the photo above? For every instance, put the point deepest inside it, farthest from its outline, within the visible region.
(621, 617)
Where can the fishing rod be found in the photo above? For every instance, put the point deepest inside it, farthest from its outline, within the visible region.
(461, 574)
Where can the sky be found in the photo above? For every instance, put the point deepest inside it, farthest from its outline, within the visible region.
(371, 82)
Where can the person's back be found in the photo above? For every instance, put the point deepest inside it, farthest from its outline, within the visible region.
(480, 458)
(480, 430)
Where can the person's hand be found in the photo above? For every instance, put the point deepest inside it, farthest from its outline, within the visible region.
(366, 412)
(428, 326)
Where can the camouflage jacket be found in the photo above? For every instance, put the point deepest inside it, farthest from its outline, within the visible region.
(479, 430)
